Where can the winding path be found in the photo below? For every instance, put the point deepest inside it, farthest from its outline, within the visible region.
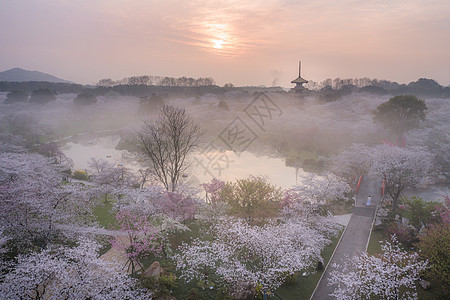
(356, 235)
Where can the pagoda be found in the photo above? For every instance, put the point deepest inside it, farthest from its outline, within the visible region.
(299, 81)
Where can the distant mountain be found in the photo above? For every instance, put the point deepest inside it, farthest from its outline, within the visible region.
(21, 75)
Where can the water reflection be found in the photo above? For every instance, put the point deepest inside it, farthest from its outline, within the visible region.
(239, 165)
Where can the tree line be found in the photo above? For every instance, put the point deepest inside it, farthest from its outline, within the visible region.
(158, 81)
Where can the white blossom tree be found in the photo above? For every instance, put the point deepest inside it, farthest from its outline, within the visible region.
(321, 189)
(33, 199)
(352, 163)
(68, 273)
(435, 132)
(53, 150)
(390, 275)
(243, 255)
(401, 168)
(110, 180)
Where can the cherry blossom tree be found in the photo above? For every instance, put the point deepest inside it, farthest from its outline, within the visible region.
(12, 143)
(321, 189)
(213, 190)
(214, 209)
(242, 254)
(3, 249)
(68, 273)
(444, 210)
(178, 206)
(293, 206)
(213, 213)
(54, 151)
(141, 201)
(401, 168)
(294, 209)
(352, 163)
(137, 237)
(110, 180)
(390, 275)
(33, 201)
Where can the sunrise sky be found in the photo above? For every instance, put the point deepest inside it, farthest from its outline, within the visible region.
(256, 42)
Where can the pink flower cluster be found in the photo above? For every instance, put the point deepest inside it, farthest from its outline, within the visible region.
(213, 190)
(136, 236)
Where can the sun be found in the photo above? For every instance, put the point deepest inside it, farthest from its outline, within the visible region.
(218, 44)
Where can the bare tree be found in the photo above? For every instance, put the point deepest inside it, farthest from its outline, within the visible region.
(166, 144)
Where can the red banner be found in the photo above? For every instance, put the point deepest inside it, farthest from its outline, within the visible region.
(359, 183)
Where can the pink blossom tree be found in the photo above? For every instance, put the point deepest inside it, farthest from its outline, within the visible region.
(213, 190)
(176, 205)
(390, 275)
(444, 210)
(137, 237)
(12, 143)
(214, 208)
(293, 206)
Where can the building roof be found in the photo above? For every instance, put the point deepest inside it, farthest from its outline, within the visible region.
(299, 80)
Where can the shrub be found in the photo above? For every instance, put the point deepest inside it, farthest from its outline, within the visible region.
(406, 235)
(434, 245)
(253, 198)
(80, 175)
(162, 286)
(223, 294)
(223, 105)
(419, 212)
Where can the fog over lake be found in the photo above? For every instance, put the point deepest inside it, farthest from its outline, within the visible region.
(234, 165)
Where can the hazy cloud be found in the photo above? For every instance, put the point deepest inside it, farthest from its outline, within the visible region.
(232, 41)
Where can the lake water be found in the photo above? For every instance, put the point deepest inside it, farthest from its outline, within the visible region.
(225, 165)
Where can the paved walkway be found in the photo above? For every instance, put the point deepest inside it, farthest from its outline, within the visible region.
(356, 235)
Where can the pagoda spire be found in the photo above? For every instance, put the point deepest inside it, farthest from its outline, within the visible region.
(299, 81)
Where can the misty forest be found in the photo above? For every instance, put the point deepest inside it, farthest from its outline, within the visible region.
(176, 188)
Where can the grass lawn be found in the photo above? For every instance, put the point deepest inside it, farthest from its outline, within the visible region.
(374, 243)
(103, 215)
(303, 287)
